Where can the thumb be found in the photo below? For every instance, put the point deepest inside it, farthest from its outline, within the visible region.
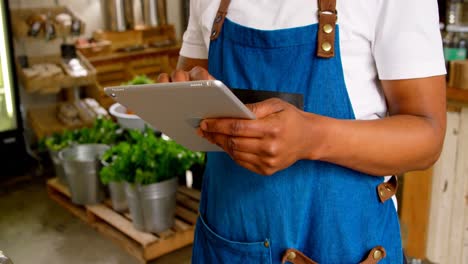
(198, 73)
(267, 107)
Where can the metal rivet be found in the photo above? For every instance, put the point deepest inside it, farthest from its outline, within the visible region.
(388, 189)
(291, 256)
(113, 95)
(377, 254)
(266, 243)
(326, 46)
(218, 18)
(382, 193)
(213, 33)
(327, 28)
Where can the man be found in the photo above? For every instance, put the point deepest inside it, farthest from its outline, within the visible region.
(307, 185)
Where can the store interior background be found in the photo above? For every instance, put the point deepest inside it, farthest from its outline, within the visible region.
(90, 12)
(34, 229)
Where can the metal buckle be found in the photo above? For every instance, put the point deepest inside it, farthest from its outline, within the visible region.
(328, 12)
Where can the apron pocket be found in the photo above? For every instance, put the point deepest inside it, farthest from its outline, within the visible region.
(210, 247)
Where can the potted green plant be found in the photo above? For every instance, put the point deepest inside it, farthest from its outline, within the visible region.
(81, 159)
(54, 144)
(148, 165)
(109, 176)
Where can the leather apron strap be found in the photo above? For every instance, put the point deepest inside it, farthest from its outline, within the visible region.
(219, 19)
(387, 190)
(327, 17)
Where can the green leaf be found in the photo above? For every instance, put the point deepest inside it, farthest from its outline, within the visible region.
(139, 79)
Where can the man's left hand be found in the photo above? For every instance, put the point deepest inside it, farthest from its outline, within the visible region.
(272, 142)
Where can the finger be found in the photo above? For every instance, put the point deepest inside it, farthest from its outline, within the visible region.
(251, 167)
(267, 107)
(254, 167)
(198, 73)
(249, 160)
(200, 132)
(180, 76)
(163, 78)
(234, 127)
(265, 164)
(217, 139)
(232, 144)
(208, 136)
(248, 145)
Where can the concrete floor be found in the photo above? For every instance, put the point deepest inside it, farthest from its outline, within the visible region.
(34, 229)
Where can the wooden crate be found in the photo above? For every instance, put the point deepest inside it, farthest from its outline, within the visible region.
(20, 16)
(99, 48)
(120, 67)
(142, 36)
(119, 228)
(54, 84)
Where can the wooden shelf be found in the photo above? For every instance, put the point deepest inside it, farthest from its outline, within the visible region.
(457, 95)
(139, 37)
(151, 51)
(44, 122)
(54, 84)
(21, 28)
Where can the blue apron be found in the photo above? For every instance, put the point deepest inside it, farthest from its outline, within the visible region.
(329, 213)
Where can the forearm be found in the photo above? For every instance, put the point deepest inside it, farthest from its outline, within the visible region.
(382, 147)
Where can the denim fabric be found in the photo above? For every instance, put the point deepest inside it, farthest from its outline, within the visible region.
(330, 213)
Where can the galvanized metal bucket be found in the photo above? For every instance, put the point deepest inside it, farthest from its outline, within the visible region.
(118, 198)
(152, 206)
(134, 205)
(58, 166)
(81, 164)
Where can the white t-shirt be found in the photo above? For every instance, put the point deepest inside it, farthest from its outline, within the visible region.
(379, 39)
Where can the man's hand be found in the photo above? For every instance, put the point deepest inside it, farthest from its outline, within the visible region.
(197, 73)
(272, 142)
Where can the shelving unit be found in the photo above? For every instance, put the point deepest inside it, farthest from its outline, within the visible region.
(44, 120)
(54, 84)
(20, 26)
(117, 67)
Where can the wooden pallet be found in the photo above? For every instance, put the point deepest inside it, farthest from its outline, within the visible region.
(119, 228)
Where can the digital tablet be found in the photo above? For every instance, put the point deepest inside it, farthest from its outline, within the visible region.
(176, 109)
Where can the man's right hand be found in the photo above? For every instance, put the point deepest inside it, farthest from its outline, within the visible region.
(197, 73)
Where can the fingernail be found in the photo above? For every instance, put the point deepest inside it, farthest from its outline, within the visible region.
(200, 133)
(203, 125)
